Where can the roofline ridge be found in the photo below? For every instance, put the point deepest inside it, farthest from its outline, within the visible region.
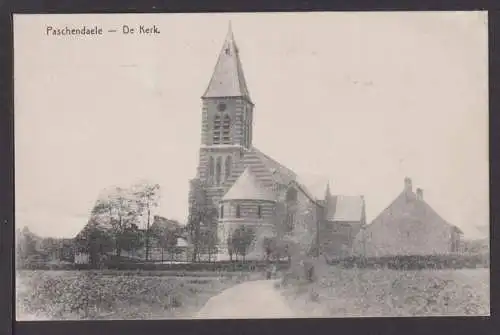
(275, 161)
(215, 67)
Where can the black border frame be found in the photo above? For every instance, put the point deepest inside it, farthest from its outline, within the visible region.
(439, 325)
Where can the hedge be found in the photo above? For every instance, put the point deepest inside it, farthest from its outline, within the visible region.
(415, 262)
(410, 262)
(197, 266)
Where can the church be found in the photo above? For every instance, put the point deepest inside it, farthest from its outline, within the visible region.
(246, 189)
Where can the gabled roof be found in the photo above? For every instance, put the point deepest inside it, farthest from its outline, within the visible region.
(414, 207)
(228, 79)
(162, 223)
(248, 187)
(345, 208)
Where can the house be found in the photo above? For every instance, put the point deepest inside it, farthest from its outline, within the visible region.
(250, 191)
(408, 226)
(344, 218)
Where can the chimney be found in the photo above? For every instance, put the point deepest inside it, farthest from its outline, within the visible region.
(420, 194)
(408, 185)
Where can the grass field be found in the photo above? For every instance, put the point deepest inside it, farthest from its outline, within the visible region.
(112, 295)
(389, 293)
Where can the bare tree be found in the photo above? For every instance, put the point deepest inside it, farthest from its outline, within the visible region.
(147, 196)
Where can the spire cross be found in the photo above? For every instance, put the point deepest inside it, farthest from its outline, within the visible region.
(229, 39)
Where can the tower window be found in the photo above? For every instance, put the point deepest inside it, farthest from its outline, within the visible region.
(221, 211)
(291, 195)
(238, 211)
(218, 167)
(217, 129)
(211, 166)
(226, 126)
(228, 166)
(259, 211)
(290, 221)
(222, 107)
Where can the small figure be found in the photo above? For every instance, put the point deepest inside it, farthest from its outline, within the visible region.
(274, 270)
(268, 272)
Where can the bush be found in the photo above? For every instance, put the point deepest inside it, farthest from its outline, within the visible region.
(391, 293)
(92, 295)
(415, 262)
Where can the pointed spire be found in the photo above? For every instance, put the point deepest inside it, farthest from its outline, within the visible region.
(228, 79)
(230, 29)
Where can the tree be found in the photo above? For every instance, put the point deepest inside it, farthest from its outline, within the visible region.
(167, 239)
(241, 239)
(147, 197)
(294, 237)
(208, 240)
(26, 245)
(197, 199)
(119, 210)
(131, 239)
(95, 241)
(201, 220)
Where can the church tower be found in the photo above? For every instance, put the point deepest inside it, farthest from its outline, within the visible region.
(227, 115)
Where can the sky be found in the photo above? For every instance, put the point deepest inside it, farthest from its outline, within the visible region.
(364, 99)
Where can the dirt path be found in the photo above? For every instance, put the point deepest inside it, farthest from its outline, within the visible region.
(255, 300)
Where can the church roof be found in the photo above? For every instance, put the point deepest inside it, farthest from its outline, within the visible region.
(315, 185)
(345, 208)
(228, 79)
(247, 187)
(279, 171)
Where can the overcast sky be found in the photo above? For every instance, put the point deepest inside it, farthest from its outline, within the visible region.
(362, 98)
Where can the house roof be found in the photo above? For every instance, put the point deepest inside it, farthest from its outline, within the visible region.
(182, 242)
(430, 214)
(346, 208)
(248, 187)
(228, 79)
(160, 222)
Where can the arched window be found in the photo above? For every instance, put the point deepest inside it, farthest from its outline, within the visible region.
(226, 127)
(228, 166)
(222, 211)
(291, 195)
(211, 167)
(217, 129)
(218, 167)
(290, 221)
(247, 130)
(238, 211)
(259, 211)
